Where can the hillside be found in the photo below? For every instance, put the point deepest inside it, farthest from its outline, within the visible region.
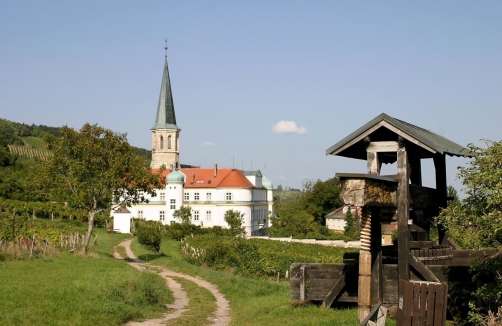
(21, 147)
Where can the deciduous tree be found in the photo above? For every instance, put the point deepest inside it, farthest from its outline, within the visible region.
(234, 220)
(93, 168)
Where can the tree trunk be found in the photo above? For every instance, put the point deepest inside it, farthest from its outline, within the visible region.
(90, 226)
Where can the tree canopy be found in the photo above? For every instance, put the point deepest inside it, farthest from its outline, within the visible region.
(93, 168)
(476, 221)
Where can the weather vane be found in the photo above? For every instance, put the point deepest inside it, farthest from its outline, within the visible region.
(166, 48)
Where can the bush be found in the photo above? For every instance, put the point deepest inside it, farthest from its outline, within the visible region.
(147, 289)
(255, 257)
(148, 233)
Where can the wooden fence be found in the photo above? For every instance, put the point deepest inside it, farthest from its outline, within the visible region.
(422, 303)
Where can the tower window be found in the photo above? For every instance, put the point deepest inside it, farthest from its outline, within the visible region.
(169, 142)
(173, 204)
(161, 142)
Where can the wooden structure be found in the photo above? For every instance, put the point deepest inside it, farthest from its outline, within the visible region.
(388, 140)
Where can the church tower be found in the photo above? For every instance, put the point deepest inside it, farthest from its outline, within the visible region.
(165, 132)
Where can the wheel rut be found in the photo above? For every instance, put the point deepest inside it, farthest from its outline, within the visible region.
(221, 317)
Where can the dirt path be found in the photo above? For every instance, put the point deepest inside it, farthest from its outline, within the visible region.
(221, 316)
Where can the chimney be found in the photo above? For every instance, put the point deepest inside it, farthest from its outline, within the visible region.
(215, 170)
(193, 178)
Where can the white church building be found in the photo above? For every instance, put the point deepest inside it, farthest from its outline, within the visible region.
(210, 192)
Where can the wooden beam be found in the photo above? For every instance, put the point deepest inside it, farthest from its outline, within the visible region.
(403, 213)
(422, 269)
(416, 171)
(382, 146)
(376, 255)
(373, 163)
(303, 283)
(338, 287)
(441, 189)
(372, 313)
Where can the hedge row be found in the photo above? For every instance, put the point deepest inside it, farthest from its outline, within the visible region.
(256, 257)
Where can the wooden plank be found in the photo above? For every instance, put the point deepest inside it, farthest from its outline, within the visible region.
(441, 188)
(403, 213)
(303, 284)
(426, 273)
(421, 244)
(422, 316)
(337, 288)
(431, 301)
(440, 304)
(407, 301)
(416, 303)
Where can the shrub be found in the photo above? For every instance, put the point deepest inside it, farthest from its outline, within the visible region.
(146, 289)
(148, 233)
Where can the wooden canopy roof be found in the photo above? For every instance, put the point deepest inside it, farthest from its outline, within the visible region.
(419, 142)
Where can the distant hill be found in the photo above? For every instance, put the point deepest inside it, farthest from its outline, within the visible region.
(28, 140)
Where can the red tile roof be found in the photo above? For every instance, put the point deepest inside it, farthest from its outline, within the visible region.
(204, 178)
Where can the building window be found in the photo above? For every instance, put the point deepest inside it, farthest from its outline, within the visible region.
(187, 196)
(208, 196)
(162, 215)
(169, 142)
(161, 142)
(173, 203)
(208, 216)
(140, 214)
(228, 196)
(162, 196)
(195, 215)
(196, 196)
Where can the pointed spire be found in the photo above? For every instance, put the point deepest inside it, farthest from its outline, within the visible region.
(166, 118)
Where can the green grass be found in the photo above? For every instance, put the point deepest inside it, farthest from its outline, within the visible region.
(252, 301)
(79, 290)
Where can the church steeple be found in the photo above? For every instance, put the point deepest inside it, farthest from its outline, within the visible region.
(166, 117)
(165, 132)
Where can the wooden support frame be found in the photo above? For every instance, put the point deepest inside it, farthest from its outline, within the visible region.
(441, 189)
(338, 287)
(422, 269)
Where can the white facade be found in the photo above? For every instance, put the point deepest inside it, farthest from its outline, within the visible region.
(209, 202)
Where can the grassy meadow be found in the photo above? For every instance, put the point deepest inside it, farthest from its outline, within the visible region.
(76, 290)
(99, 290)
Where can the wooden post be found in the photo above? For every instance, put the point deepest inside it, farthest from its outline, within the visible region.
(364, 288)
(403, 214)
(303, 284)
(441, 188)
(376, 257)
(416, 171)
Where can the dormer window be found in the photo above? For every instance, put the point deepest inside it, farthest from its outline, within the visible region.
(161, 142)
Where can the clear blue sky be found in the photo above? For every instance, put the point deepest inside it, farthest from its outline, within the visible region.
(240, 67)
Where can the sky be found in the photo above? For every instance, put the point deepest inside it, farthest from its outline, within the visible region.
(266, 85)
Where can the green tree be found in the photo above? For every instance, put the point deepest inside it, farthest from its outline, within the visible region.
(183, 214)
(92, 168)
(352, 228)
(279, 188)
(234, 220)
(291, 219)
(321, 197)
(476, 221)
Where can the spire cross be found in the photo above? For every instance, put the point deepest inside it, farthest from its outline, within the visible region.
(166, 48)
